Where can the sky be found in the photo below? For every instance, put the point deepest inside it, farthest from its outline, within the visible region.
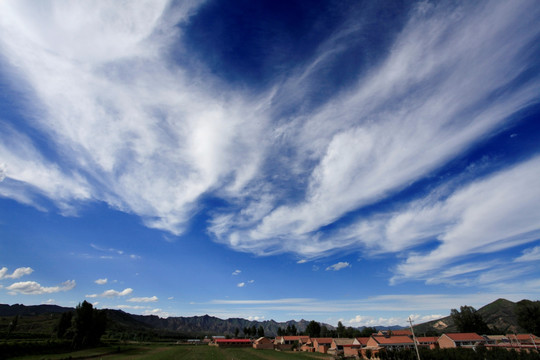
(353, 161)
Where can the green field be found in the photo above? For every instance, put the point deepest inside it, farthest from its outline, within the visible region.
(187, 352)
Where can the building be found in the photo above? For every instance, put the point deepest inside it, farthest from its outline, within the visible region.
(429, 342)
(321, 345)
(233, 343)
(263, 343)
(337, 346)
(454, 340)
(390, 342)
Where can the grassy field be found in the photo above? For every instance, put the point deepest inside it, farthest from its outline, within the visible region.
(181, 352)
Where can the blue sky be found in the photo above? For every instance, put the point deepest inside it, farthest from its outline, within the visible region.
(350, 160)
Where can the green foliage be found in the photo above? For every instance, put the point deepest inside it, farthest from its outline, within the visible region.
(64, 324)
(260, 331)
(528, 315)
(469, 320)
(313, 329)
(89, 325)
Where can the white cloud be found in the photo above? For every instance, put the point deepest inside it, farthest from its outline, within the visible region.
(302, 261)
(236, 272)
(242, 284)
(17, 273)
(112, 293)
(131, 307)
(340, 265)
(433, 85)
(101, 281)
(34, 288)
(157, 312)
(143, 299)
(532, 254)
(189, 135)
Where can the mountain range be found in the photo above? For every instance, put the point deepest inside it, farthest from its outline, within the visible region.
(499, 315)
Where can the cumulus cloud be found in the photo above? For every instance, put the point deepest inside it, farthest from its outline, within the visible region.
(338, 266)
(101, 281)
(17, 273)
(143, 299)
(236, 272)
(112, 293)
(34, 288)
(242, 284)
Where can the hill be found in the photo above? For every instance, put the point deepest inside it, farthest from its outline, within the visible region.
(500, 316)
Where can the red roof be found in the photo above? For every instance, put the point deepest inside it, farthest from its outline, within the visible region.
(387, 340)
(465, 337)
(236, 341)
(295, 338)
(427, 339)
(363, 340)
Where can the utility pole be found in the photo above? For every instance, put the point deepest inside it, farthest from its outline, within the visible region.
(414, 339)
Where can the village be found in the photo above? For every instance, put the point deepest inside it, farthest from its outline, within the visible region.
(382, 342)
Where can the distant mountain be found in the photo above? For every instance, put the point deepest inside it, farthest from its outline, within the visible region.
(500, 316)
(31, 310)
(209, 325)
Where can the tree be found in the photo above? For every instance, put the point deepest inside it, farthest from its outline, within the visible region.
(89, 324)
(12, 325)
(469, 320)
(313, 329)
(236, 332)
(260, 332)
(64, 324)
(340, 329)
(528, 315)
(294, 331)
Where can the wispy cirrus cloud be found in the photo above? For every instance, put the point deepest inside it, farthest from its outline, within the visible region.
(447, 82)
(34, 288)
(143, 299)
(532, 254)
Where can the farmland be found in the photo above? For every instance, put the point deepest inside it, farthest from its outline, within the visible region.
(181, 352)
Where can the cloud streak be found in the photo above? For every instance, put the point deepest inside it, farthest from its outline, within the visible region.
(448, 81)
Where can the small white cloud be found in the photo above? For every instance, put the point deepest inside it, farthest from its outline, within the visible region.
(19, 272)
(144, 299)
(157, 312)
(242, 284)
(34, 288)
(170, 298)
(236, 272)
(532, 254)
(131, 307)
(101, 281)
(50, 301)
(251, 281)
(111, 293)
(303, 261)
(340, 265)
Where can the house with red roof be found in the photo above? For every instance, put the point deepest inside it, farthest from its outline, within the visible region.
(454, 340)
(427, 341)
(233, 343)
(390, 342)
